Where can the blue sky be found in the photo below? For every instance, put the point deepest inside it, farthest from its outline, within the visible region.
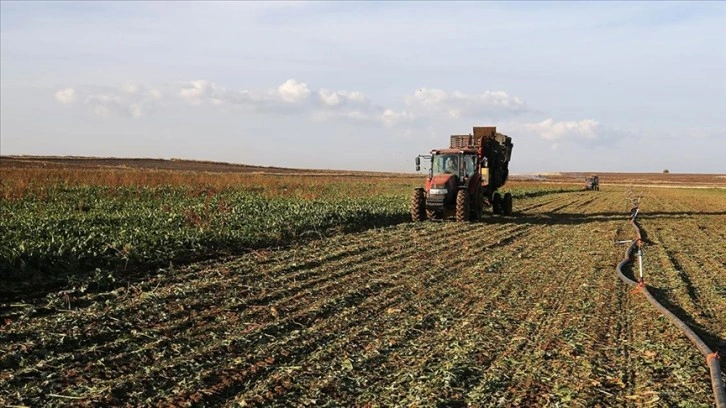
(580, 86)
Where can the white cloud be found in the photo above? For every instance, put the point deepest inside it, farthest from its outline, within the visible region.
(335, 98)
(355, 96)
(391, 117)
(66, 96)
(454, 113)
(429, 97)
(195, 91)
(136, 110)
(293, 91)
(458, 104)
(108, 105)
(290, 97)
(155, 93)
(329, 98)
(103, 99)
(548, 129)
(110, 102)
(293, 97)
(130, 88)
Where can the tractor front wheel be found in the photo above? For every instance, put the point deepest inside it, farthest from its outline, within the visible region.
(418, 205)
(462, 206)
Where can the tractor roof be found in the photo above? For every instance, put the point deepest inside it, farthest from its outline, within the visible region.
(454, 151)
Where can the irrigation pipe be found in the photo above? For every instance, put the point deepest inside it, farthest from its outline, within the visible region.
(712, 358)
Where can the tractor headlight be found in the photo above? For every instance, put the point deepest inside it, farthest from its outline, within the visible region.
(438, 191)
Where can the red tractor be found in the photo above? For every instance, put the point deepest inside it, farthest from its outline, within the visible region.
(464, 178)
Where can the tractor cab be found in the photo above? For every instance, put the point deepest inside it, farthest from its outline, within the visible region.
(451, 171)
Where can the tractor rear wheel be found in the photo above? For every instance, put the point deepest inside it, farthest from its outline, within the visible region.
(477, 207)
(507, 204)
(462, 206)
(497, 203)
(418, 205)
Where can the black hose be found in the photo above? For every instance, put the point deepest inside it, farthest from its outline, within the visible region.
(711, 358)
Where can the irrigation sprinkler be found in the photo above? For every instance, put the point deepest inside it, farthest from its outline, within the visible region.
(640, 261)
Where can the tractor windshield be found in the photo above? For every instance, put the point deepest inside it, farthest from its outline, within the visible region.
(446, 164)
(470, 165)
(452, 163)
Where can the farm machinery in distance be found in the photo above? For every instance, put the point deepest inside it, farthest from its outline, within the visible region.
(592, 183)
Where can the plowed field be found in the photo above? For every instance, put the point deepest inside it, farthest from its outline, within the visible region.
(510, 311)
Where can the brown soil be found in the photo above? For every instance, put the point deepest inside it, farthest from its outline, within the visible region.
(161, 164)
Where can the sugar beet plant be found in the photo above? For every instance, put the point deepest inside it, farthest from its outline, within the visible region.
(67, 232)
(59, 232)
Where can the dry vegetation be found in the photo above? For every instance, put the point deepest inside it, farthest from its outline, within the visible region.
(510, 311)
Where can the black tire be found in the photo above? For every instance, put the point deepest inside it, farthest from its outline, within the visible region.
(507, 204)
(418, 205)
(477, 207)
(433, 214)
(462, 206)
(497, 203)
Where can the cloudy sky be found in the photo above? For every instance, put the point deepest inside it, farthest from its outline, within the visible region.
(597, 86)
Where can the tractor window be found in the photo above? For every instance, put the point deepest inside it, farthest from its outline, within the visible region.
(470, 165)
(446, 164)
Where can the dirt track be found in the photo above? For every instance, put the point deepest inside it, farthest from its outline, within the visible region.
(522, 310)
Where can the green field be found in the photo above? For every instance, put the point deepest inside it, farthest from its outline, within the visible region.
(56, 233)
(274, 290)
